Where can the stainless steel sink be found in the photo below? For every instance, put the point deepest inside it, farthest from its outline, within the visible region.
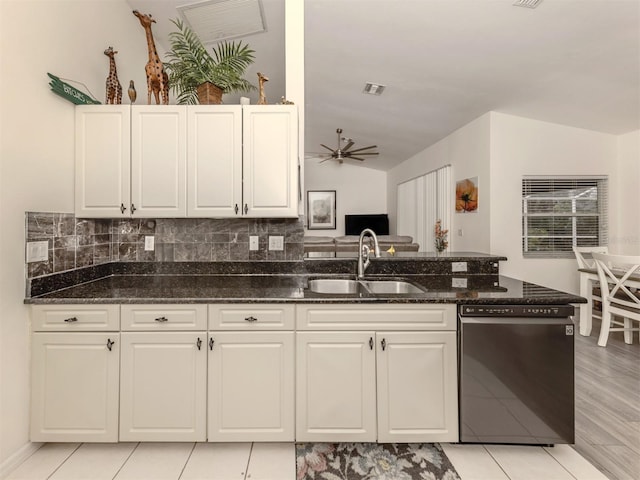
(393, 287)
(341, 286)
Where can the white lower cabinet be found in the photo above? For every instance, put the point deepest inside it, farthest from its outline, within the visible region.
(241, 373)
(336, 387)
(370, 385)
(163, 386)
(251, 376)
(74, 387)
(417, 387)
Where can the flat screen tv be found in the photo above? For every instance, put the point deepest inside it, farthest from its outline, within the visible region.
(354, 224)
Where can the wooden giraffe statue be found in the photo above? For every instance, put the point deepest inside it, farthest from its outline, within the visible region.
(157, 78)
(261, 80)
(114, 89)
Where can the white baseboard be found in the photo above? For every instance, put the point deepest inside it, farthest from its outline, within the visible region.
(11, 463)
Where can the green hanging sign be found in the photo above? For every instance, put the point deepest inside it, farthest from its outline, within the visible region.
(70, 93)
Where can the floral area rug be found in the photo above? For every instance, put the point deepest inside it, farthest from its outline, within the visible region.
(373, 461)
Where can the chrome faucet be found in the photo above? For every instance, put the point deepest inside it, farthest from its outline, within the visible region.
(364, 251)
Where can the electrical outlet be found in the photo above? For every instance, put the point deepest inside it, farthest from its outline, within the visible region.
(149, 243)
(458, 283)
(460, 232)
(458, 266)
(38, 251)
(276, 242)
(253, 242)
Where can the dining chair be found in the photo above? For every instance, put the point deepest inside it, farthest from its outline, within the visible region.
(618, 297)
(586, 261)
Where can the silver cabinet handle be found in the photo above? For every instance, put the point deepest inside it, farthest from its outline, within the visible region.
(251, 319)
(383, 344)
(133, 208)
(370, 343)
(110, 343)
(246, 208)
(71, 319)
(199, 343)
(162, 319)
(122, 208)
(236, 209)
(211, 343)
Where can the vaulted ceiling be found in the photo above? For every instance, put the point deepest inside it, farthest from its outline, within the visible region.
(446, 62)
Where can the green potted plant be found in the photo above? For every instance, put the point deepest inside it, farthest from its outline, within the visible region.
(197, 77)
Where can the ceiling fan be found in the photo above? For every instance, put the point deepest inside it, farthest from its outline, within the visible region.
(343, 153)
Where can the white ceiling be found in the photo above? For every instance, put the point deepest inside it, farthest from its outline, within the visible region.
(446, 62)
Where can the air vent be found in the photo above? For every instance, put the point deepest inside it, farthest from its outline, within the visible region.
(373, 88)
(217, 20)
(527, 3)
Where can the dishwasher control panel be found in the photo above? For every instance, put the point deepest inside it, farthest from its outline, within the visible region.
(516, 310)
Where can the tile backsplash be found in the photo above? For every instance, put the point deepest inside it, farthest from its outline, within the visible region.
(77, 242)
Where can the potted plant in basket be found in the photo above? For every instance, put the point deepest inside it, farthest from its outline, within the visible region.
(196, 76)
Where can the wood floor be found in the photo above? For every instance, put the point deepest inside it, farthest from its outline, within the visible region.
(608, 404)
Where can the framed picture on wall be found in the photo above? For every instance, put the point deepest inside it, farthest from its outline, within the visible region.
(321, 209)
(467, 195)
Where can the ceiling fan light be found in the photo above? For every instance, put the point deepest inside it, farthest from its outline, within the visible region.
(373, 88)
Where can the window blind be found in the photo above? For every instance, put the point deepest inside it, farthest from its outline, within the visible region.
(559, 213)
(422, 201)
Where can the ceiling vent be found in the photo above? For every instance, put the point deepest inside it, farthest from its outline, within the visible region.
(527, 3)
(217, 20)
(373, 88)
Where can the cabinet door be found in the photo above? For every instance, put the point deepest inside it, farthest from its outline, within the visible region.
(417, 387)
(251, 387)
(214, 161)
(74, 387)
(163, 386)
(270, 161)
(103, 155)
(158, 161)
(335, 387)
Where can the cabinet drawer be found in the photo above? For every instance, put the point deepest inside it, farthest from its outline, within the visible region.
(376, 317)
(164, 317)
(79, 318)
(251, 317)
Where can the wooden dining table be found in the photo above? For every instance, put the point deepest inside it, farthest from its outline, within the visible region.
(587, 277)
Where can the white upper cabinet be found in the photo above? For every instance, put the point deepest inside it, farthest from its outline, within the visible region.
(270, 152)
(196, 161)
(103, 154)
(215, 161)
(158, 161)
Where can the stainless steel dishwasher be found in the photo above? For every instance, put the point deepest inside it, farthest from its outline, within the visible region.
(516, 374)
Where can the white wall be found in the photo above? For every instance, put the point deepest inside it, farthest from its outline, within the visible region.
(467, 151)
(66, 38)
(520, 146)
(626, 238)
(358, 190)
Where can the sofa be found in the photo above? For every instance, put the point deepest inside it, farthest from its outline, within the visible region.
(349, 243)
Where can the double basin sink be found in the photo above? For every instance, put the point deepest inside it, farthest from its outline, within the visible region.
(343, 286)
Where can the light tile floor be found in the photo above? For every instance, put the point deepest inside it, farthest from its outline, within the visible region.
(275, 461)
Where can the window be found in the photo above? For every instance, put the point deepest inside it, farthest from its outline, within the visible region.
(559, 213)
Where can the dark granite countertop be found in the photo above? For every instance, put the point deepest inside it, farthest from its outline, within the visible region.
(286, 288)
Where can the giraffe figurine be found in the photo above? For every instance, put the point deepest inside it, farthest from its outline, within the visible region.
(114, 89)
(157, 78)
(261, 80)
